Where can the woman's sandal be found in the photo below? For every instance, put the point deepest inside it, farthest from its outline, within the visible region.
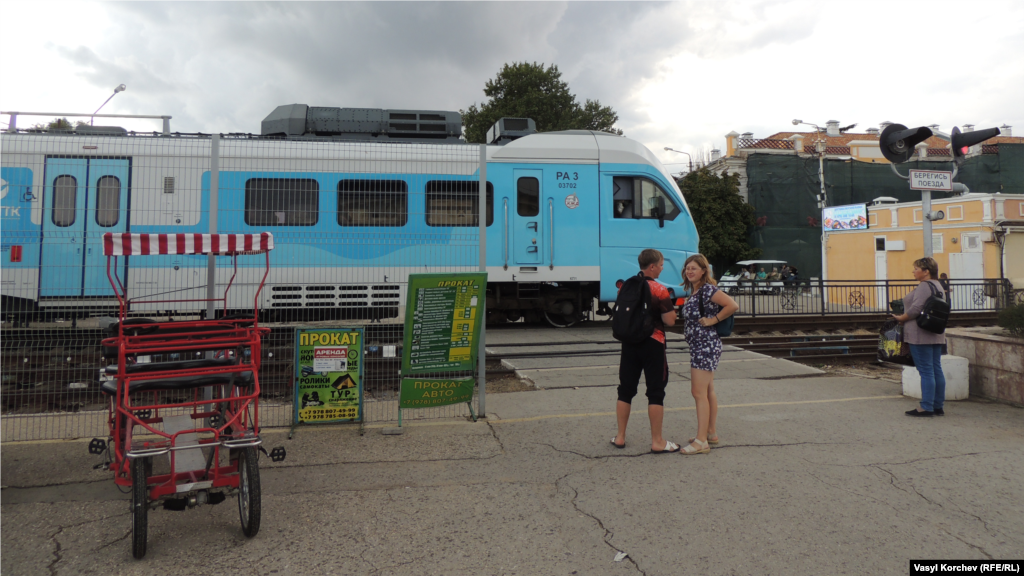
(711, 440)
(690, 450)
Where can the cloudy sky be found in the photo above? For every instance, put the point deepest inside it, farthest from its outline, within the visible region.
(679, 74)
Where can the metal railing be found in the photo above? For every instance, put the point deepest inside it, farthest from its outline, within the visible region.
(824, 297)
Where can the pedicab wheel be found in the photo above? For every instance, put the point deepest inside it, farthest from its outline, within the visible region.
(140, 507)
(249, 491)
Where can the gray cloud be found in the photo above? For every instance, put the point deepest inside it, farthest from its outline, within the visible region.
(225, 66)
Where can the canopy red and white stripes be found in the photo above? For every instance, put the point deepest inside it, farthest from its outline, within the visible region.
(144, 244)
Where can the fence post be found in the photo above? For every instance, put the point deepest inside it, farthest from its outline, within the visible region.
(482, 353)
(821, 294)
(211, 260)
(753, 299)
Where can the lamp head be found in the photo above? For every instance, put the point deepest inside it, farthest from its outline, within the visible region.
(796, 122)
(668, 149)
(120, 88)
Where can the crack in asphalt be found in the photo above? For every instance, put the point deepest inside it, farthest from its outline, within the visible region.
(52, 566)
(608, 534)
(116, 540)
(494, 434)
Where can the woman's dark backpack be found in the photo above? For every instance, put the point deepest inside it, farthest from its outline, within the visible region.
(935, 313)
(633, 321)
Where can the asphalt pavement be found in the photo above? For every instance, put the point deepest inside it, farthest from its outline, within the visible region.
(816, 474)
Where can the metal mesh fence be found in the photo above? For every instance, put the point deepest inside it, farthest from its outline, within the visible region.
(351, 221)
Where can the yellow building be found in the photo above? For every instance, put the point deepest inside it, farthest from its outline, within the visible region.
(981, 237)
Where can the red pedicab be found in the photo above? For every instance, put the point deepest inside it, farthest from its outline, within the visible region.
(196, 394)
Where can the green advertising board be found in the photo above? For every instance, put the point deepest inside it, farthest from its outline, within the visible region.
(328, 375)
(431, 392)
(443, 319)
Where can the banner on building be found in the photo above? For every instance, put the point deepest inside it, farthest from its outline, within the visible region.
(848, 217)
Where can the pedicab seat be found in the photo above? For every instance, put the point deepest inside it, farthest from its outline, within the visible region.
(239, 379)
(176, 365)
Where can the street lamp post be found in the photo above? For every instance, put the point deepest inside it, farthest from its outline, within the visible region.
(120, 88)
(820, 147)
(681, 152)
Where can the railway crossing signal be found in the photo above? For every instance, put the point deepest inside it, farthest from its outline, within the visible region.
(897, 141)
(961, 142)
(897, 144)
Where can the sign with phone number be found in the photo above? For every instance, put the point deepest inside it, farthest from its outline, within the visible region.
(328, 375)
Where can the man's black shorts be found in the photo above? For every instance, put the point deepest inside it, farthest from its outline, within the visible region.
(649, 358)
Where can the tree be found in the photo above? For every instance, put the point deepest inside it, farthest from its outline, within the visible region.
(723, 219)
(523, 90)
(59, 124)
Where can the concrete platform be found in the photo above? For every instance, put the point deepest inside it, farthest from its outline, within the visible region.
(816, 474)
(602, 368)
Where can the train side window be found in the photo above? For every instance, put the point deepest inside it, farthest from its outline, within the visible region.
(282, 202)
(65, 190)
(623, 196)
(108, 201)
(649, 193)
(455, 203)
(373, 203)
(528, 196)
(637, 198)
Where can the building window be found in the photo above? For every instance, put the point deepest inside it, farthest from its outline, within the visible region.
(880, 244)
(937, 243)
(373, 203)
(65, 191)
(282, 202)
(636, 197)
(528, 196)
(456, 203)
(108, 201)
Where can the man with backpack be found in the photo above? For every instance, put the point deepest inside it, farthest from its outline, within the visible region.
(642, 310)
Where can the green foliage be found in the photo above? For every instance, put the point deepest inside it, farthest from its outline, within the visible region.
(62, 124)
(1012, 319)
(523, 90)
(722, 218)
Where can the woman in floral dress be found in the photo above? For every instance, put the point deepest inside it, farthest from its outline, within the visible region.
(705, 346)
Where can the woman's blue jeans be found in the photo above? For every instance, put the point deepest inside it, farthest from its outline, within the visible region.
(928, 360)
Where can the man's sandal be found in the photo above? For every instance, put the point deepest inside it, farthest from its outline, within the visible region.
(690, 450)
(711, 440)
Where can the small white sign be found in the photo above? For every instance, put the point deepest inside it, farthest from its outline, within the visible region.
(334, 359)
(572, 201)
(931, 180)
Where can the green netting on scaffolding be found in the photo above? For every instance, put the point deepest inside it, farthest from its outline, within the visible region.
(783, 191)
(1011, 161)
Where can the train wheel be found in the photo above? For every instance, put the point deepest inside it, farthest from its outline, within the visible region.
(561, 320)
(140, 507)
(249, 491)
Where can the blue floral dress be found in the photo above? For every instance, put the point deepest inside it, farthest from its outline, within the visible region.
(705, 345)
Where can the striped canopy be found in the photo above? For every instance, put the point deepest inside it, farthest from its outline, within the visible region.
(144, 244)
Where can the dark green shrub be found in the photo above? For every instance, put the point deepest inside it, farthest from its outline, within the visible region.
(1012, 319)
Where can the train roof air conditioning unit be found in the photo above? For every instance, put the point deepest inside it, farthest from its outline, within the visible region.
(299, 120)
(506, 130)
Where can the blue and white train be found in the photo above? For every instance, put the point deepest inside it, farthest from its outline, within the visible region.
(356, 199)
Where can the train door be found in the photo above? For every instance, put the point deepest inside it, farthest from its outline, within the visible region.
(83, 200)
(528, 229)
(60, 271)
(107, 211)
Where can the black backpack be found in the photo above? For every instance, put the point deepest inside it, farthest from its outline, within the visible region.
(633, 321)
(935, 312)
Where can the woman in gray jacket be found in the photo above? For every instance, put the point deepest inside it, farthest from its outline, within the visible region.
(925, 347)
